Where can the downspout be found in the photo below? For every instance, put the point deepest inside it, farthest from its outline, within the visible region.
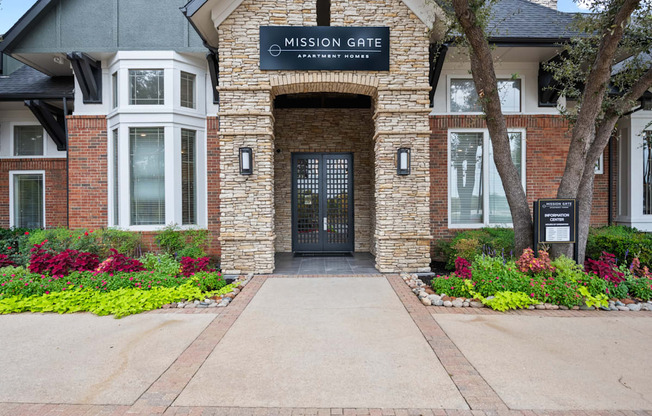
(610, 185)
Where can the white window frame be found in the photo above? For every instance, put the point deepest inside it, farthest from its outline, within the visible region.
(194, 89)
(12, 140)
(164, 86)
(486, 142)
(504, 77)
(599, 165)
(12, 173)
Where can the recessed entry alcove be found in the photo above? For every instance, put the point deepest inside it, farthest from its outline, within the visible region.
(324, 179)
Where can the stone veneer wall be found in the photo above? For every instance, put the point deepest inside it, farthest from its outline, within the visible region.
(55, 188)
(324, 130)
(401, 233)
(547, 144)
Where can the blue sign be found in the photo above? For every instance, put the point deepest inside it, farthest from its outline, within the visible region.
(324, 48)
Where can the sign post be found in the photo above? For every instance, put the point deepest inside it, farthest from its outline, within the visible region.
(324, 48)
(555, 222)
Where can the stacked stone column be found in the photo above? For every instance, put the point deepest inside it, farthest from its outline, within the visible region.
(247, 201)
(402, 226)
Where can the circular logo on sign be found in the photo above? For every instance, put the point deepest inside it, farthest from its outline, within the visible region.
(274, 50)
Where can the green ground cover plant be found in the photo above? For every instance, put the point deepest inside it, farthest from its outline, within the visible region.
(120, 302)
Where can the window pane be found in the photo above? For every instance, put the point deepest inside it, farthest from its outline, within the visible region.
(466, 178)
(146, 86)
(28, 141)
(28, 201)
(147, 176)
(499, 212)
(114, 80)
(116, 205)
(647, 173)
(188, 177)
(464, 98)
(510, 95)
(187, 90)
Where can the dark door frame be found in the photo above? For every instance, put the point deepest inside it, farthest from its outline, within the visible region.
(323, 201)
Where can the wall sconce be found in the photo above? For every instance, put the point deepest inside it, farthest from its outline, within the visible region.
(246, 161)
(403, 161)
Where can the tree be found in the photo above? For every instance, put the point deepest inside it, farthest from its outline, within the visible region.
(618, 29)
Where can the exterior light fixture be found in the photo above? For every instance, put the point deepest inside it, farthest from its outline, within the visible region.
(246, 161)
(403, 161)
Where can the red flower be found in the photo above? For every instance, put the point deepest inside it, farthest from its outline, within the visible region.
(26, 232)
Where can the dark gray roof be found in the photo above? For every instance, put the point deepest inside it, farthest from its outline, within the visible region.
(28, 83)
(524, 20)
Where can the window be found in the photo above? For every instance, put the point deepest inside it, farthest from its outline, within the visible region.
(323, 12)
(476, 194)
(464, 98)
(28, 141)
(188, 177)
(146, 87)
(187, 90)
(147, 163)
(28, 202)
(114, 80)
(647, 172)
(116, 205)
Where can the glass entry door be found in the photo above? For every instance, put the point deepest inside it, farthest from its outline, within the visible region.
(322, 202)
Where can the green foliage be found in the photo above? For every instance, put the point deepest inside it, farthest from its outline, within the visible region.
(121, 302)
(503, 301)
(161, 263)
(640, 287)
(492, 274)
(470, 243)
(598, 301)
(14, 243)
(27, 284)
(182, 243)
(91, 241)
(624, 242)
(450, 285)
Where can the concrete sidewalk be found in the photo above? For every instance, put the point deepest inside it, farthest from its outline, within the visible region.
(327, 346)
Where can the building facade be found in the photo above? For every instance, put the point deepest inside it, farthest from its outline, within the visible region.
(138, 116)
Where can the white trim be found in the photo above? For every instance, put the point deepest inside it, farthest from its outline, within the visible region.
(486, 152)
(13, 173)
(599, 165)
(499, 77)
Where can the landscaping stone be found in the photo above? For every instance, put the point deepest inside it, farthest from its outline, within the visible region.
(434, 298)
(623, 308)
(586, 308)
(438, 302)
(448, 303)
(628, 302)
(563, 308)
(476, 304)
(458, 303)
(531, 307)
(466, 304)
(540, 306)
(619, 303)
(426, 301)
(634, 307)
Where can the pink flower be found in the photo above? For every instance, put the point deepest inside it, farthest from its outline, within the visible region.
(531, 295)
(47, 292)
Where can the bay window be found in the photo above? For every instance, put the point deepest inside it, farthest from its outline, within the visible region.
(188, 177)
(146, 87)
(464, 98)
(147, 175)
(476, 194)
(187, 85)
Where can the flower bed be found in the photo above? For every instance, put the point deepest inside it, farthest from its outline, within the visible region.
(539, 283)
(72, 280)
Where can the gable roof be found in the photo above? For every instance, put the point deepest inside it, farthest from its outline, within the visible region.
(22, 25)
(28, 83)
(206, 15)
(524, 20)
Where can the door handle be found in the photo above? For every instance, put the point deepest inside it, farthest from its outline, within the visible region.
(325, 224)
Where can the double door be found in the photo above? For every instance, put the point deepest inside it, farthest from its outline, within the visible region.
(322, 202)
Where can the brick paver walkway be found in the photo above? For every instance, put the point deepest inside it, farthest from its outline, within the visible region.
(479, 395)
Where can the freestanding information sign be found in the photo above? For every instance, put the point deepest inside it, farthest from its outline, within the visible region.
(555, 222)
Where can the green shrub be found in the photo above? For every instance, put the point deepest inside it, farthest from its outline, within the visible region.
(98, 241)
(470, 243)
(182, 243)
(14, 242)
(160, 263)
(450, 285)
(640, 287)
(623, 242)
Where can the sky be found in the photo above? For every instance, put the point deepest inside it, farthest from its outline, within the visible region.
(11, 10)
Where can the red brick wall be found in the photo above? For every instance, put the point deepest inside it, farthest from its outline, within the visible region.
(55, 188)
(213, 182)
(87, 155)
(547, 144)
